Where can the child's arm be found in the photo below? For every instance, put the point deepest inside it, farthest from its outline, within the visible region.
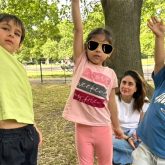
(114, 115)
(158, 29)
(78, 30)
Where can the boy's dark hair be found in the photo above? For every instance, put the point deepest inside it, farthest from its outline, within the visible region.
(8, 17)
(97, 31)
(140, 94)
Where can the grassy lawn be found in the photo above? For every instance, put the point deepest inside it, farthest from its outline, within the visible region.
(58, 141)
(58, 134)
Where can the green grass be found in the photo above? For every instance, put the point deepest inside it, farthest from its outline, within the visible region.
(48, 74)
(58, 135)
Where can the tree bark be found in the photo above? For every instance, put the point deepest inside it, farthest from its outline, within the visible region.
(122, 18)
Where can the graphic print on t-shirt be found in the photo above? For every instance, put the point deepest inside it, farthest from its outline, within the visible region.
(160, 99)
(91, 88)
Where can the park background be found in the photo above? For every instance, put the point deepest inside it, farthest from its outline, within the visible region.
(48, 43)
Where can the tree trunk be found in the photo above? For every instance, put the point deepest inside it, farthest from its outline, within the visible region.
(122, 18)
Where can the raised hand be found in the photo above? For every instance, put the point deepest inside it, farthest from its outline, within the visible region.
(157, 26)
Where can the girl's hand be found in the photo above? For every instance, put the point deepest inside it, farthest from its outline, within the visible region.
(157, 26)
(118, 133)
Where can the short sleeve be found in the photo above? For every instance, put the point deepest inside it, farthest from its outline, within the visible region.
(145, 106)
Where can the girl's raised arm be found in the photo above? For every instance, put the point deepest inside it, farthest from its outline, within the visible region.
(78, 29)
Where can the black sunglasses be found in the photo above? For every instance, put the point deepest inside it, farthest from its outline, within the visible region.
(107, 48)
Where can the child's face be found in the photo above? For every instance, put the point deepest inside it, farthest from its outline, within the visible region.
(98, 55)
(10, 36)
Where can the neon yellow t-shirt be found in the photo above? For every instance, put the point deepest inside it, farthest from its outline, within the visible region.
(15, 91)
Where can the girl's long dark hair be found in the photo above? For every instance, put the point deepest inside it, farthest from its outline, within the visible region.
(140, 94)
(97, 31)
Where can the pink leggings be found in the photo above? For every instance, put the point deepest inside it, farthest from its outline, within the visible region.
(94, 140)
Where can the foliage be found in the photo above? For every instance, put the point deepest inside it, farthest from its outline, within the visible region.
(98, 19)
(40, 18)
(24, 55)
(65, 44)
(49, 23)
(150, 8)
(50, 49)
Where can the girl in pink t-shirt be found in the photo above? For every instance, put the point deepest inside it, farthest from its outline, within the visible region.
(91, 103)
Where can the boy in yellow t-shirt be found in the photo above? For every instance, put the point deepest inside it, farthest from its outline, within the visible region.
(19, 137)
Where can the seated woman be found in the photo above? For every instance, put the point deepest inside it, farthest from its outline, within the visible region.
(132, 104)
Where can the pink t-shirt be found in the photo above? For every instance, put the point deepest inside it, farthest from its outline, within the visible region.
(90, 89)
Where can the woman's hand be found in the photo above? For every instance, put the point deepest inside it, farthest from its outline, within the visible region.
(131, 140)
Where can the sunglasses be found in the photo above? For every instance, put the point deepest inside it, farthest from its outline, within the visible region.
(106, 48)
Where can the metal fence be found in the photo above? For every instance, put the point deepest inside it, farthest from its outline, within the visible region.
(46, 72)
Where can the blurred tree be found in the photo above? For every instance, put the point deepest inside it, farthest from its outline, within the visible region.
(122, 18)
(50, 20)
(150, 7)
(126, 19)
(40, 18)
(50, 50)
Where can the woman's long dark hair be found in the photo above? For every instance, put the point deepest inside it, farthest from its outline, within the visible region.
(140, 94)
